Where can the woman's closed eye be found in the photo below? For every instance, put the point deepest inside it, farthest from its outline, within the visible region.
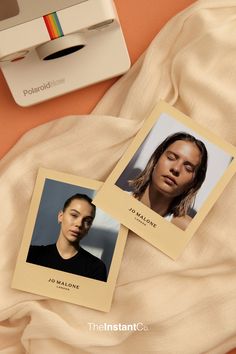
(171, 157)
(189, 168)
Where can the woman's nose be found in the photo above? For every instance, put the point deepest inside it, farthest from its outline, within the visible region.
(175, 169)
(78, 223)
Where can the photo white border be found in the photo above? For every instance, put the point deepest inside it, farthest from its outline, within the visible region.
(57, 284)
(142, 220)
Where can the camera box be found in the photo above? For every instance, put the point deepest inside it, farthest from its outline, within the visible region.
(51, 49)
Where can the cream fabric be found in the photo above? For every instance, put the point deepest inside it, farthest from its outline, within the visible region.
(189, 305)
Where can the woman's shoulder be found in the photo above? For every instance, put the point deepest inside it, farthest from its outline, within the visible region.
(182, 221)
(38, 250)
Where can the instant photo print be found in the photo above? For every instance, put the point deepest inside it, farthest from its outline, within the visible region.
(61, 209)
(49, 48)
(168, 179)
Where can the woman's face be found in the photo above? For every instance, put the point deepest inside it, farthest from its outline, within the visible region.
(76, 220)
(175, 170)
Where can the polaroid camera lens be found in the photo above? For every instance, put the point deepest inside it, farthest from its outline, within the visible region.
(61, 46)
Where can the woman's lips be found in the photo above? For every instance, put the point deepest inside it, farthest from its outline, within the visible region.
(74, 233)
(170, 180)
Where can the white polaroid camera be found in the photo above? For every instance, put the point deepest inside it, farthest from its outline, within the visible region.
(51, 47)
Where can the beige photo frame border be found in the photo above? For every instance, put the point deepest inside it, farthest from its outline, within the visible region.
(139, 218)
(57, 284)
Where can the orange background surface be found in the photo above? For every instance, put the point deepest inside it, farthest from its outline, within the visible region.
(141, 20)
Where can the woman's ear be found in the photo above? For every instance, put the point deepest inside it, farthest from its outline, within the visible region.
(59, 217)
(154, 168)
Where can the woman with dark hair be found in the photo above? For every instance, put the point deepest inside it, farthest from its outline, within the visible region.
(172, 177)
(66, 254)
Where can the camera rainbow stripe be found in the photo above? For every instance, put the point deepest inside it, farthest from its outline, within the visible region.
(53, 25)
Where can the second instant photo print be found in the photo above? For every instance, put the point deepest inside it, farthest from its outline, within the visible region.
(168, 179)
(71, 250)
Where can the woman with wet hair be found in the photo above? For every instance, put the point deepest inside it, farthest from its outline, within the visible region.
(172, 177)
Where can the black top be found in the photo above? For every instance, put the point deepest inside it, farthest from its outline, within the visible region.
(83, 263)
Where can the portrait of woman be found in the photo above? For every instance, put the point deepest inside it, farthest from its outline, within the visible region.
(66, 254)
(172, 177)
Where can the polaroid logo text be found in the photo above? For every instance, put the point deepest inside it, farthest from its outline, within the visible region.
(45, 86)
